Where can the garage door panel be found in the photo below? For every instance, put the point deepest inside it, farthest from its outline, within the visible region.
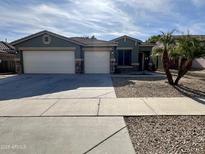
(48, 61)
(97, 62)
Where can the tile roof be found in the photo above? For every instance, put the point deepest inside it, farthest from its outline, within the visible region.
(7, 48)
(201, 37)
(92, 41)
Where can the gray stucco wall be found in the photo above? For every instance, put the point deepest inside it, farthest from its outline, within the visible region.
(128, 43)
(145, 49)
(55, 42)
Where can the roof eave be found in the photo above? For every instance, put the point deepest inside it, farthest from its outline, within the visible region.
(134, 39)
(44, 32)
(147, 45)
(101, 45)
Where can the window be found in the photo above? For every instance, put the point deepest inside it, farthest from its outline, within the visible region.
(124, 57)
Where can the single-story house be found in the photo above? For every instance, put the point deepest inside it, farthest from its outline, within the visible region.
(47, 52)
(8, 58)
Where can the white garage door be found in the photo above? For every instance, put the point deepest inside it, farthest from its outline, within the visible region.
(49, 61)
(97, 62)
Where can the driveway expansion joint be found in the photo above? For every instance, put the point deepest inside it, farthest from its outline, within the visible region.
(149, 106)
(49, 108)
(98, 110)
(101, 142)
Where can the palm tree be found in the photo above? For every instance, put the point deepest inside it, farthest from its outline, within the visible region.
(165, 47)
(153, 39)
(186, 50)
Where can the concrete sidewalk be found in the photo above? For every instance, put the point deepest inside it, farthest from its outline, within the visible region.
(102, 107)
(79, 125)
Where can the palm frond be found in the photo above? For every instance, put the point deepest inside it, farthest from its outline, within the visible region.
(189, 47)
(156, 51)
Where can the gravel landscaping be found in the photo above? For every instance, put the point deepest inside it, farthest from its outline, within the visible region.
(158, 87)
(167, 134)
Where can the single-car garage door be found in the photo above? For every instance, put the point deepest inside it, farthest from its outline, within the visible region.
(97, 62)
(49, 62)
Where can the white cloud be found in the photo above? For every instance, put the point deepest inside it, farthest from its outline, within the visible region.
(198, 3)
(151, 5)
(103, 18)
(77, 18)
(192, 28)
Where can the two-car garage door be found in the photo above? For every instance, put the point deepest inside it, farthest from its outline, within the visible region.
(64, 62)
(49, 62)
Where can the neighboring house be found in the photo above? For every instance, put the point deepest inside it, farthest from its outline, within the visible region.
(8, 58)
(47, 52)
(132, 54)
(199, 63)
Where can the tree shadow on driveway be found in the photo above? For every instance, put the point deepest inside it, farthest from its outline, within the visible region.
(29, 85)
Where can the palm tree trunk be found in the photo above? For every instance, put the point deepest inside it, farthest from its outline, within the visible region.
(184, 68)
(180, 70)
(166, 67)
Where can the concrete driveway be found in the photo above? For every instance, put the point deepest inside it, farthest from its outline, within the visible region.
(64, 135)
(56, 86)
(26, 126)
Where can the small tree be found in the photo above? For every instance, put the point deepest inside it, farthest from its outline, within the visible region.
(165, 47)
(187, 48)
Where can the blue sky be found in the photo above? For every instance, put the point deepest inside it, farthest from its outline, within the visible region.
(106, 19)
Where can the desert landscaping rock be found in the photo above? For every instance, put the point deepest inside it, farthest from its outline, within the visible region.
(158, 87)
(167, 134)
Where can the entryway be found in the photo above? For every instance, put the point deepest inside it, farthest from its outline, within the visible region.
(144, 59)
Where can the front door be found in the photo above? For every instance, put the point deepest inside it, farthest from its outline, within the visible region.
(124, 57)
(146, 61)
(141, 62)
